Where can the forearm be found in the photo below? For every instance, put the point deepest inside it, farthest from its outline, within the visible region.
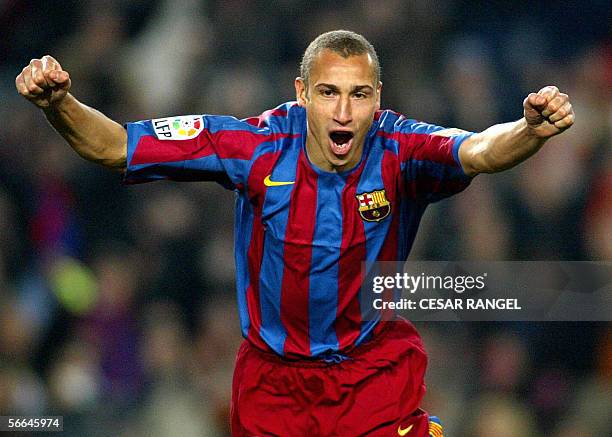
(499, 147)
(90, 133)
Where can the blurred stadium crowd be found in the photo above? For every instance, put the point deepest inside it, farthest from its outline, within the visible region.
(117, 304)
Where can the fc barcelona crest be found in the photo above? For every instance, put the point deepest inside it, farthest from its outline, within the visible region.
(374, 206)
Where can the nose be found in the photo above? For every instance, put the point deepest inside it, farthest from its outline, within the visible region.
(343, 114)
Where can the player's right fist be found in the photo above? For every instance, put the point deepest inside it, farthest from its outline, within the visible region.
(43, 82)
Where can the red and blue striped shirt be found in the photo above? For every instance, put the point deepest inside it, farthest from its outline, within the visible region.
(301, 233)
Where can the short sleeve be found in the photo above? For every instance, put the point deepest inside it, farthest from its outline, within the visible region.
(429, 157)
(192, 148)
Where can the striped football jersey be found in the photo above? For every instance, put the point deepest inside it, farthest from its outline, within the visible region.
(301, 233)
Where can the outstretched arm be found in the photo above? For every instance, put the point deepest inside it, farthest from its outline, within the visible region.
(90, 133)
(546, 113)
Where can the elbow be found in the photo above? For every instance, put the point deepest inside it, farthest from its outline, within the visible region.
(486, 160)
(114, 158)
(475, 159)
(114, 162)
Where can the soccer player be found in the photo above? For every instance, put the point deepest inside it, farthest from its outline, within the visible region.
(322, 185)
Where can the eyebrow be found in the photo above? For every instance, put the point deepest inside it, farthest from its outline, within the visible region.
(354, 89)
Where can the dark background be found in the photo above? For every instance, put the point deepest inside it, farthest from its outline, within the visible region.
(117, 305)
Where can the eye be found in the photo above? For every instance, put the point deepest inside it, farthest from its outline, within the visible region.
(327, 93)
(360, 95)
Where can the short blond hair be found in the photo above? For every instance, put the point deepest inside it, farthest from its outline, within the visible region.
(343, 42)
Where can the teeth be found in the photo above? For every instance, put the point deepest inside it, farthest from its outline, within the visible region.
(341, 149)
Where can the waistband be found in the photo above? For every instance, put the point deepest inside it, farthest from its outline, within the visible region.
(327, 359)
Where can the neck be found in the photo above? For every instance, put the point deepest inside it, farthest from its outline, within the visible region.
(317, 158)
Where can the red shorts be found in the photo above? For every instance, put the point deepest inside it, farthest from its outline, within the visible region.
(376, 392)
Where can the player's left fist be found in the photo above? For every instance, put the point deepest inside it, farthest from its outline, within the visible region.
(548, 112)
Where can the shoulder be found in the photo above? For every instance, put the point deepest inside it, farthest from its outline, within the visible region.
(390, 121)
(390, 128)
(281, 118)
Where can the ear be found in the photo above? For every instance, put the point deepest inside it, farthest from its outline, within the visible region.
(300, 91)
(378, 94)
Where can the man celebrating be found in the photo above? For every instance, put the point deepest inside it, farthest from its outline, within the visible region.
(323, 184)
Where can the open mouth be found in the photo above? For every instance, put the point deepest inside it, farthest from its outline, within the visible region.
(341, 142)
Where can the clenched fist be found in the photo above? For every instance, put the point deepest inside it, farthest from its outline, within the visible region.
(43, 82)
(548, 112)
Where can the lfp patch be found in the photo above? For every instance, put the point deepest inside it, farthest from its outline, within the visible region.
(374, 206)
(184, 127)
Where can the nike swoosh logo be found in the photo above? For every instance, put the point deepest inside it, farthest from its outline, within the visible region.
(403, 432)
(270, 183)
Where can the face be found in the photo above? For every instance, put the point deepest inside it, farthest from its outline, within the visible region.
(340, 103)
